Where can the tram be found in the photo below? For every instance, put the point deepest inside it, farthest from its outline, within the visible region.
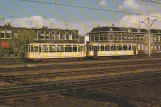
(39, 51)
(111, 49)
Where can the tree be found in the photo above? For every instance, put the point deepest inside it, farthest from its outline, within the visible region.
(1, 51)
(20, 40)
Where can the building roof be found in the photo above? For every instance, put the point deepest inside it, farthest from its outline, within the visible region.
(105, 28)
(122, 29)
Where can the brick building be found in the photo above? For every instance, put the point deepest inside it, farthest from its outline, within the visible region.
(41, 35)
(127, 35)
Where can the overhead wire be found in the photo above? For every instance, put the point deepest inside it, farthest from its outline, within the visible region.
(99, 9)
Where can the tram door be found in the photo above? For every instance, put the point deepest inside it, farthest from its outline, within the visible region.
(36, 52)
(82, 51)
(95, 51)
(134, 49)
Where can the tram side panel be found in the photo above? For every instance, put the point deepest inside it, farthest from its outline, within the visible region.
(57, 51)
(98, 50)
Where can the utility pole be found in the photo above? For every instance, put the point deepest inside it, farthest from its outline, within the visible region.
(30, 22)
(149, 35)
(2, 17)
(44, 19)
(11, 16)
(139, 20)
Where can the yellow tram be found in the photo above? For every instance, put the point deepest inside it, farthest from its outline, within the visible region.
(111, 49)
(38, 51)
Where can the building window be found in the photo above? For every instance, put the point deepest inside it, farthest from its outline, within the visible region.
(129, 30)
(2, 35)
(42, 36)
(42, 32)
(52, 37)
(8, 36)
(101, 37)
(47, 37)
(67, 36)
(47, 32)
(111, 29)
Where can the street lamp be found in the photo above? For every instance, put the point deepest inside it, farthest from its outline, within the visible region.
(149, 35)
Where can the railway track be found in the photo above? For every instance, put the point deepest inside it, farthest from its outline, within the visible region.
(74, 65)
(21, 78)
(21, 93)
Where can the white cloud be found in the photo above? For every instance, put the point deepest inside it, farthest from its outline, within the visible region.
(102, 3)
(39, 21)
(129, 4)
(135, 20)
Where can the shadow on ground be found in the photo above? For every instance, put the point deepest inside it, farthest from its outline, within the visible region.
(103, 97)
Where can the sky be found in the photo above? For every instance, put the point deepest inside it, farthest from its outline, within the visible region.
(24, 13)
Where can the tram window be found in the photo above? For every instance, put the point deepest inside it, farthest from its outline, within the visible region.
(39, 48)
(88, 48)
(125, 47)
(91, 48)
(35, 48)
(107, 48)
(45, 48)
(60, 48)
(74, 48)
(102, 48)
(31, 48)
(119, 48)
(52, 48)
(68, 48)
(67, 36)
(113, 48)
